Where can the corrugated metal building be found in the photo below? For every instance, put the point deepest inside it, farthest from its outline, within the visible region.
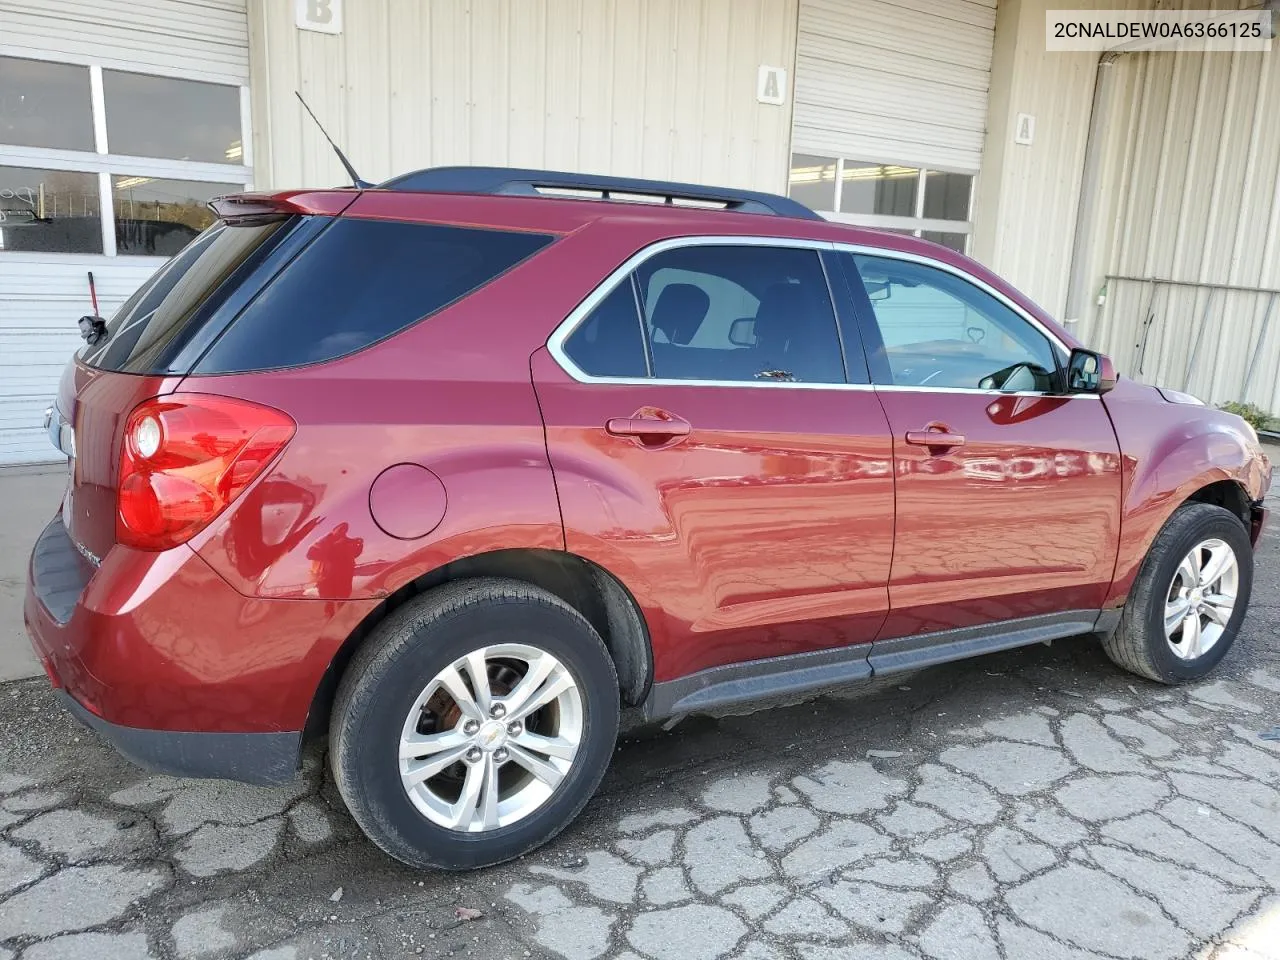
(119, 118)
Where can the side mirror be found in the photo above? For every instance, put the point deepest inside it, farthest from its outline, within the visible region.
(1090, 372)
(742, 332)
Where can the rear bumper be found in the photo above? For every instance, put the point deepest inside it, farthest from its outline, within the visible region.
(172, 665)
(263, 758)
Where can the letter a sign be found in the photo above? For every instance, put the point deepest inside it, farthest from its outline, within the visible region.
(323, 16)
(771, 85)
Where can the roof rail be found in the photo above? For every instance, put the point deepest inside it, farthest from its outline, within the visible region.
(514, 181)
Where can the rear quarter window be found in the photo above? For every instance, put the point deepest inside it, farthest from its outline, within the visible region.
(151, 329)
(359, 282)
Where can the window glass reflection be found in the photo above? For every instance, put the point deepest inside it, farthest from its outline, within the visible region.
(176, 119)
(49, 211)
(883, 189)
(157, 218)
(946, 195)
(813, 181)
(45, 104)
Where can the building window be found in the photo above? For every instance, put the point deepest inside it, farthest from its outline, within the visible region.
(813, 181)
(933, 204)
(112, 162)
(174, 119)
(49, 211)
(156, 217)
(882, 189)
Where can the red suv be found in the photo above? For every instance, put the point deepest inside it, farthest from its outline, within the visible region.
(458, 467)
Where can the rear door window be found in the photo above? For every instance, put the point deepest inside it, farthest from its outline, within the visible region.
(610, 342)
(359, 282)
(716, 313)
(740, 313)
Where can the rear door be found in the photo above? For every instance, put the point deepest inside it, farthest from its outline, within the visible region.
(1008, 491)
(711, 450)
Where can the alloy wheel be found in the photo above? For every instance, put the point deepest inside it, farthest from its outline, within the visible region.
(490, 738)
(1201, 599)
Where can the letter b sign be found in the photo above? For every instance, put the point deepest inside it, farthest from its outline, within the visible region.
(323, 16)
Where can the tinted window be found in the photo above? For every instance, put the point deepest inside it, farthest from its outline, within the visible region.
(740, 313)
(358, 282)
(610, 342)
(146, 329)
(939, 330)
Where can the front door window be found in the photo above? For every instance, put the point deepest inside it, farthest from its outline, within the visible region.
(939, 330)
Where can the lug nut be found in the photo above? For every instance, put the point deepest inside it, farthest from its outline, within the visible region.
(473, 755)
(501, 754)
(514, 728)
(497, 711)
(471, 726)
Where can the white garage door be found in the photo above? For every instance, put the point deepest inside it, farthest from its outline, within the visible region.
(118, 120)
(891, 111)
(900, 81)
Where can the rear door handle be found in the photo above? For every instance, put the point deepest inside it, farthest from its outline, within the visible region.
(935, 436)
(648, 428)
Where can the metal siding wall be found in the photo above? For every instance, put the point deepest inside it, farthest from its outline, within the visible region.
(1027, 196)
(1194, 197)
(200, 39)
(655, 88)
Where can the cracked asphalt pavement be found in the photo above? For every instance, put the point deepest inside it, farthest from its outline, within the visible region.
(1034, 804)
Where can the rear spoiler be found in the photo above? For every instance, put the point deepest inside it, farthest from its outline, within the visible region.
(242, 209)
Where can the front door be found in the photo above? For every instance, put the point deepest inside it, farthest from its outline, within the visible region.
(1008, 491)
(710, 453)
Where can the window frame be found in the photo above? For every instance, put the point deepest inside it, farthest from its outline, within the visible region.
(846, 330)
(869, 326)
(104, 164)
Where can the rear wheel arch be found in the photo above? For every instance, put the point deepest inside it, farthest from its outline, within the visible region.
(594, 592)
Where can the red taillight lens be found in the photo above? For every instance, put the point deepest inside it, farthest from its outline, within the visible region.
(185, 457)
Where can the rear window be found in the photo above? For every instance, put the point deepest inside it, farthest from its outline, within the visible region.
(155, 323)
(359, 282)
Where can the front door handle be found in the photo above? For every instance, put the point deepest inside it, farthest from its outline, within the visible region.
(936, 436)
(649, 429)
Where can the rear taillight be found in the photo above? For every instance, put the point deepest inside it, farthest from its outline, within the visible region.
(185, 457)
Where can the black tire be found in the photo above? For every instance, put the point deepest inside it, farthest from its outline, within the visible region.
(397, 662)
(1139, 644)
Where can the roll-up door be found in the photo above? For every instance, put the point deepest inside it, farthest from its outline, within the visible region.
(894, 81)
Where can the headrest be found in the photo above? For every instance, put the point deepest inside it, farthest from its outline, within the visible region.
(680, 310)
(783, 309)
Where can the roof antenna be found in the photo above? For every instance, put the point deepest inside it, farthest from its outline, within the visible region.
(351, 171)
